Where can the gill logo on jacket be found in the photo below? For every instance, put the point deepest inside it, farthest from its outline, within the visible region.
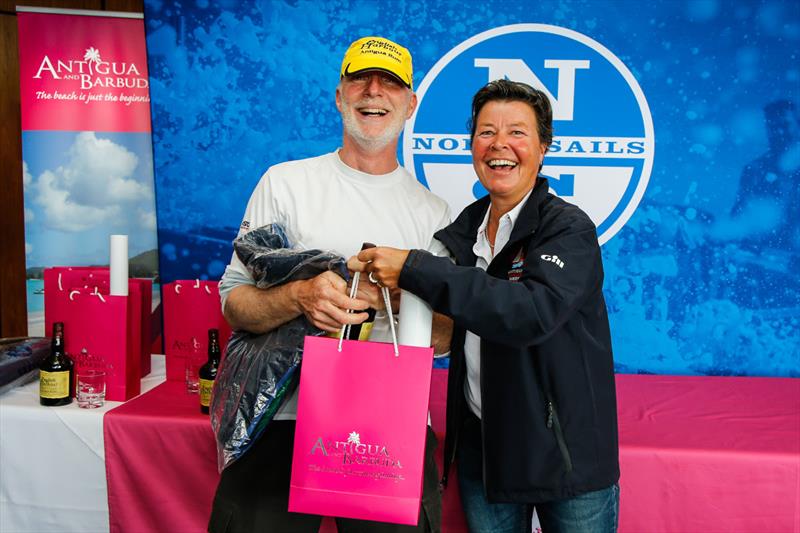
(602, 152)
(553, 259)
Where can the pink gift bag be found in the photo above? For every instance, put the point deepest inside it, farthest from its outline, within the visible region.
(191, 308)
(102, 332)
(60, 281)
(145, 290)
(359, 445)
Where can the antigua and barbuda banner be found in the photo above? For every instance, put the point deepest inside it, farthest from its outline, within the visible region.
(86, 144)
(676, 128)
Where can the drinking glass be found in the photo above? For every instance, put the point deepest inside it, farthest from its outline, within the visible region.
(91, 388)
(194, 361)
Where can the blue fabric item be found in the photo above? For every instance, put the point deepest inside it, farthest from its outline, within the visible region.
(260, 371)
(271, 259)
(20, 359)
(590, 512)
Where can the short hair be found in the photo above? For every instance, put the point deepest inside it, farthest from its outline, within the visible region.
(515, 91)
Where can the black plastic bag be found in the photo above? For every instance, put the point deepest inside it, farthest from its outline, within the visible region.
(259, 372)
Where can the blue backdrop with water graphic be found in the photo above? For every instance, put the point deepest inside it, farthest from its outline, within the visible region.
(699, 222)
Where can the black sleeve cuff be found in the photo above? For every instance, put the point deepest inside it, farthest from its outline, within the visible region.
(415, 257)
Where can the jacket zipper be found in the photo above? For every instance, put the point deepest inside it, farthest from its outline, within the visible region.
(555, 425)
(483, 438)
(449, 464)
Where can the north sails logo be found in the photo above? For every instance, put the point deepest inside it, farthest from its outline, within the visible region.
(602, 154)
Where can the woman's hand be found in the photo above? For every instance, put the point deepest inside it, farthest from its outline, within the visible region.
(382, 264)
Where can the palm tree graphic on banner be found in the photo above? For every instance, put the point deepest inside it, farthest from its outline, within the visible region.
(92, 55)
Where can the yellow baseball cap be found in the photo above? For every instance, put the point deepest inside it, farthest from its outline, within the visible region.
(377, 53)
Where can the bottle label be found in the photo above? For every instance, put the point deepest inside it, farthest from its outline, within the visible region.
(366, 329)
(363, 334)
(205, 391)
(54, 385)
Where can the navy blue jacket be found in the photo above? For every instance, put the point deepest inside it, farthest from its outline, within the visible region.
(548, 401)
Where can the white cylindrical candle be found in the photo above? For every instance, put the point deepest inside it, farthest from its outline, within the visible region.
(118, 265)
(416, 321)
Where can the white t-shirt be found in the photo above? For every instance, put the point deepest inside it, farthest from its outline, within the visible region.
(485, 254)
(324, 204)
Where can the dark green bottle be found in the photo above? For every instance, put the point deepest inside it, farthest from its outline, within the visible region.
(361, 332)
(56, 376)
(208, 372)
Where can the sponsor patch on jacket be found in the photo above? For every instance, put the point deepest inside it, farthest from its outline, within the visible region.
(515, 273)
(553, 259)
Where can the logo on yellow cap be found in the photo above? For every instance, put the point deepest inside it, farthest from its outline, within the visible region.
(377, 53)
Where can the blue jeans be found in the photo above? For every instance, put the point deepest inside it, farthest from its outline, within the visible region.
(592, 512)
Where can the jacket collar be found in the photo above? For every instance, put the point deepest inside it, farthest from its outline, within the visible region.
(460, 235)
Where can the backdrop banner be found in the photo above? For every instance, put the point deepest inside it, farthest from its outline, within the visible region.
(86, 144)
(676, 129)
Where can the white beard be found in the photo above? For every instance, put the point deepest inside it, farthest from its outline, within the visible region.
(373, 142)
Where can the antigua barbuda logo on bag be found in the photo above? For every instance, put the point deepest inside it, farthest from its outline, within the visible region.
(603, 144)
(353, 457)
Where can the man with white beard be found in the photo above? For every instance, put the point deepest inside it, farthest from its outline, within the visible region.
(336, 201)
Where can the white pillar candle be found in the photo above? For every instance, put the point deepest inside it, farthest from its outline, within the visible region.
(416, 321)
(118, 265)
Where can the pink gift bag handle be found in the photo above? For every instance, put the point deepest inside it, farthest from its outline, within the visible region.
(387, 302)
(196, 286)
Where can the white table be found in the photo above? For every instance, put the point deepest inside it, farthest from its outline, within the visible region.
(52, 462)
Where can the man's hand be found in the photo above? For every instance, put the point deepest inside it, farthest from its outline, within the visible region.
(369, 292)
(384, 264)
(324, 301)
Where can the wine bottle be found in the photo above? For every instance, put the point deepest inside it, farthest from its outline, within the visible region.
(361, 332)
(208, 372)
(56, 376)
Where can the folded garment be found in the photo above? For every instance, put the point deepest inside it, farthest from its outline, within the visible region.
(268, 255)
(259, 372)
(20, 358)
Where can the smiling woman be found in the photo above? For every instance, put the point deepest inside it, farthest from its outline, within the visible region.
(531, 344)
(507, 153)
(511, 129)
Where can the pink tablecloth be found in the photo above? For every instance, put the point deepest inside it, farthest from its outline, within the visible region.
(709, 454)
(698, 454)
(160, 463)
